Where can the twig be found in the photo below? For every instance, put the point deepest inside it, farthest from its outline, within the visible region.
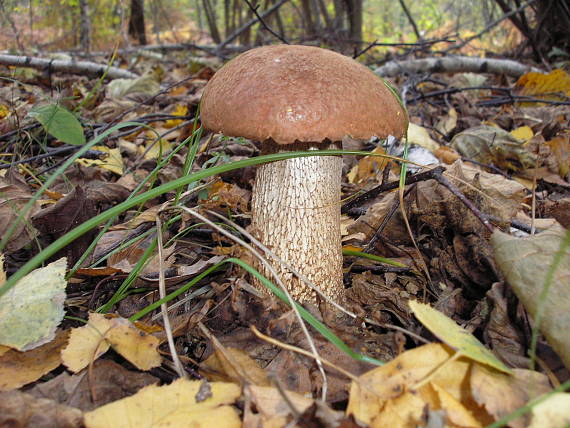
(292, 348)
(372, 193)
(262, 22)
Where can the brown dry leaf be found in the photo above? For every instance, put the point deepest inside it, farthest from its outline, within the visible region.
(560, 147)
(26, 411)
(271, 409)
(387, 387)
(525, 263)
(227, 195)
(89, 342)
(447, 123)
(368, 167)
(58, 219)
(500, 394)
(491, 145)
(446, 155)
(233, 365)
(106, 382)
(14, 194)
(181, 404)
(20, 368)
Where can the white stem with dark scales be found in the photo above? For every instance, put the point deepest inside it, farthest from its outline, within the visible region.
(296, 213)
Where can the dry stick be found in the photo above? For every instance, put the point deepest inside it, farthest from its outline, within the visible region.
(164, 307)
(74, 67)
(373, 193)
(270, 269)
(309, 283)
(301, 351)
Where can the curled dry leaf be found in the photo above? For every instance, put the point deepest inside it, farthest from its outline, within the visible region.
(14, 195)
(525, 263)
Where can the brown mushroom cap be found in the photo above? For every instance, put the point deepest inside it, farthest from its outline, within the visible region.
(299, 93)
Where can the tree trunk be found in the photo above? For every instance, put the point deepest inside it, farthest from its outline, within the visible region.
(211, 19)
(296, 214)
(84, 26)
(136, 22)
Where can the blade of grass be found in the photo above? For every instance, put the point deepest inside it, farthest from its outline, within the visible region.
(315, 323)
(153, 193)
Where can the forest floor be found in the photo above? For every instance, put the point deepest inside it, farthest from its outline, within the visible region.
(480, 241)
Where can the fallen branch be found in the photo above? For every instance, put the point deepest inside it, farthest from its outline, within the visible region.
(455, 64)
(65, 66)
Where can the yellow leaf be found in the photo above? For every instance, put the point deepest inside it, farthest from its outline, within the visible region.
(455, 336)
(155, 149)
(545, 85)
(181, 110)
(377, 388)
(20, 368)
(112, 162)
(419, 135)
(523, 133)
(552, 412)
(183, 403)
(89, 342)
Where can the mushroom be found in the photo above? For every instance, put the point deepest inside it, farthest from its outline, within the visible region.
(292, 98)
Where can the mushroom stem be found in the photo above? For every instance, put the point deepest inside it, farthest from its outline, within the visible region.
(296, 213)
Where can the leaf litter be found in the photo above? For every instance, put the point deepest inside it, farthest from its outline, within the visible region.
(510, 160)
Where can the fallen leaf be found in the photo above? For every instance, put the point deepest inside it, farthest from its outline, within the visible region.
(388, 387)
(455, 336)
(419, 135)
(21, 368)
(113, 161)
(271, 408)
(500, 394)
(31, 310)
(230, 364)
(26, 411)
(525, 263)
(89, 342)
(106, 382)
(552, 412)
(174, 405)
(14, 195)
